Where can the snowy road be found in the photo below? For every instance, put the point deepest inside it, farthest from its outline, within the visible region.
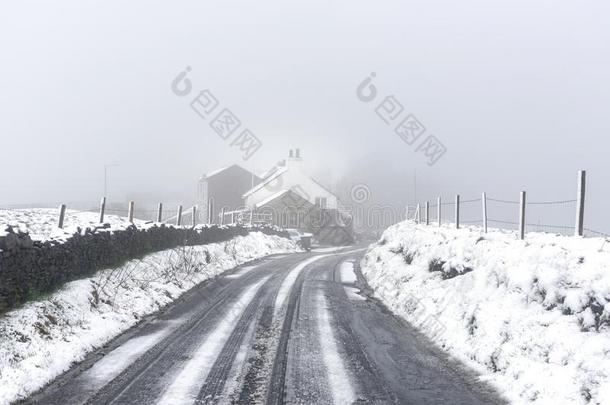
(286, 329)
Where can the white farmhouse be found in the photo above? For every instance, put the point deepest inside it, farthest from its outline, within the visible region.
(290, 176)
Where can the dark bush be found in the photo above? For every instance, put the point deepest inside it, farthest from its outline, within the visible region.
(436, 265)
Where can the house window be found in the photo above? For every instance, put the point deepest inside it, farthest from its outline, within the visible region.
(321, 202)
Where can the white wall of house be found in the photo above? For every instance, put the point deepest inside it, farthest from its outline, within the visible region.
(295, 179)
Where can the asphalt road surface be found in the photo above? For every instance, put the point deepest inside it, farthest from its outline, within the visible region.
(297, 329)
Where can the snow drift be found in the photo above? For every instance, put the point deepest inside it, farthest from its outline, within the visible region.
(530, 316)
(44, 338)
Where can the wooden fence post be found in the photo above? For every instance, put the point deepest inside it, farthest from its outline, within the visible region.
(232, 217)
(484, 203)
(179, 216)
(522, 215)
(457, 211)
(102, 209)
(62, 215)
(130, 212)
(417, 214)
(194, 216)
(211, 219)
(580, 204)
(427, 213)
(160, 213)
(438, 210)
(222, 217)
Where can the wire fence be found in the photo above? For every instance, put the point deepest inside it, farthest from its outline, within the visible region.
(513, 214)
(33, 214)
(504, 209)
(471, 208)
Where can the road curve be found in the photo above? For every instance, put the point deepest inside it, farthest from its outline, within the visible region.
(296, 329)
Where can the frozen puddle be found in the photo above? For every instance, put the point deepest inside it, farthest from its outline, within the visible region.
(241, 272)
(338, 379)
(348, 279)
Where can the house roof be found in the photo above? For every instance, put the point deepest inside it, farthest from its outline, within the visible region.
(273, 174)
(268, 180)
(280, 194)
(323, 186)
(217, 171)
(271, 198)
(272, 170)
(223, 169)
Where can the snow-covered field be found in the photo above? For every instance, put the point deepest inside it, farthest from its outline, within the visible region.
(42, 339)
(41, 223)
(530, 316)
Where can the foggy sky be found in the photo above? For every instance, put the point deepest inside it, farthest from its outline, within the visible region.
(518, 92)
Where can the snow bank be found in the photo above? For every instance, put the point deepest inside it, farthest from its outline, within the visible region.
(44, 338)
(530, 316)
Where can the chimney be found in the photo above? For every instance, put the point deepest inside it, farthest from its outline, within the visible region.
(294, 161)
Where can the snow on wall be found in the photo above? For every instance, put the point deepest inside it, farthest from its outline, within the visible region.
(42, 339)
(30, 267)
(41, 223)
(532, 316)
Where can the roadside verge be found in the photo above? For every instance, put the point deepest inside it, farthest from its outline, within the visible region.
(42, 339)
(532, 317)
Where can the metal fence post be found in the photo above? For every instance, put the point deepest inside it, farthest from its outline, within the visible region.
(457, 211)
(194, 216)
(417, 213)
(130, 212)
(62, 215)
(179, 216)
(102, 209)
(580, 204)
(484, 203)
(522, 215)
(438, 210)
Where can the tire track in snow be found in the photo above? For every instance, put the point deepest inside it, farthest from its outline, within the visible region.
(338, 378)
(231, 365)
(120, 358)
(289, 281)
(189, 381)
